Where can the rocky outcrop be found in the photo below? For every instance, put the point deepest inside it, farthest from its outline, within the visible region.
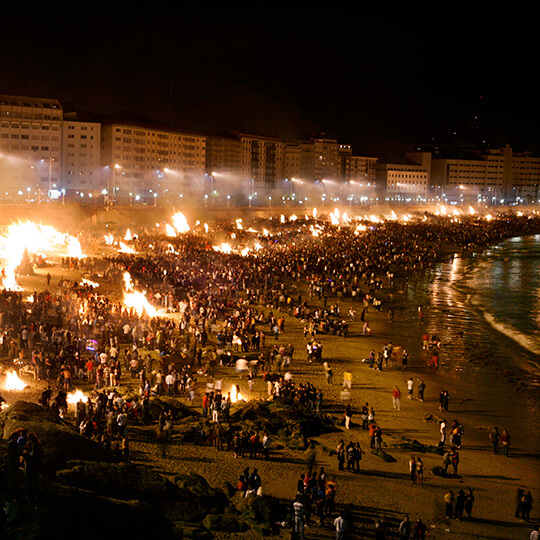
(60, 440)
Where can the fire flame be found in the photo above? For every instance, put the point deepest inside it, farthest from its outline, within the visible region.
(13, 381)
(137, 300)
(34, 238)
(74, 397)
(180, 223)
(235, 394)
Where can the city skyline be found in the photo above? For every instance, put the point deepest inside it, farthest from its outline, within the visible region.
(379, 88)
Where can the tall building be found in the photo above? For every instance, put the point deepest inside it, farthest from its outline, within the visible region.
(493, 176)
(243, 162)
(402, 182)
(144, 163)
(30, 147)
(81, 157)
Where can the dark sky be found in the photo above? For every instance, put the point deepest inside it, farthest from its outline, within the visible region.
(371, 82)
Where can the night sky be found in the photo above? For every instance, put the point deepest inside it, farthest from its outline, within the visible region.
(374, 83)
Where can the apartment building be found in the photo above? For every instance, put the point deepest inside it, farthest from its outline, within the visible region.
(495, 175)
(402, 182)
(142, 163)
(30, 147)
(81, 157)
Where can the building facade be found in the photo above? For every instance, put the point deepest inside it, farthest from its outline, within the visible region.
(30, 147)
(494, 176)
(145, 164)
(81, 158)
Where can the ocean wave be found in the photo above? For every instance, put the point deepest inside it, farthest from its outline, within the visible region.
(525, 341)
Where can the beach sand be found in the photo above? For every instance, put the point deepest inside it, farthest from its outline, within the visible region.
(382, 489)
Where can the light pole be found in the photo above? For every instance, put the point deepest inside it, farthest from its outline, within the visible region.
(114, 182)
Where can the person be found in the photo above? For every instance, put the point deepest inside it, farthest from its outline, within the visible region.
(526, 505)
(460, 505)
(446, 399)
(340, 451)
(495, 436)
(299, 517)
(405, 529)
(266, 446)
(442, 430)
(380, 529)
(348, 416)
(419, 532)
(454, 458)
(535, 533)
(469, 501)
(519, 496)
(404, 358)
(505, 441)
(410, 387)
(341, 526)
(396, 398)
(449, 504)
(412, 469)
(419, 471)
(421, 389)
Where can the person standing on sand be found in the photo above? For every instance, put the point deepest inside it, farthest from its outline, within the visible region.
(454, 457)
(460, 505)
(404, 359)
(341, 526)
(442, 430)
(505, 441)
(449, 504)
(348, 416)
(469, 501)
(421, 389)
(405, 529)
(410, 387)
(412, 469)
(419, 532)
(419, 471)
(495, 436)
(396, 398)
(299, 513)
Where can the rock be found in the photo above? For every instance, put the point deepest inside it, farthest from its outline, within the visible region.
(65, 512)
(417, 447)
(261, 512)
(383, 455)
(118, 480)
(224, 523)
(60, 440)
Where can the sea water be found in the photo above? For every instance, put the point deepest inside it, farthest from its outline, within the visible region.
(484, 308)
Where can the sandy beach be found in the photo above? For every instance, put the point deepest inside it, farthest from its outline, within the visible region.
(382, 490)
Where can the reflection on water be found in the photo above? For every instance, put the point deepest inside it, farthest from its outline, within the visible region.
(485, 309)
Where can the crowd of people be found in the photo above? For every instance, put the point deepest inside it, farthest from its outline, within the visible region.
(217, 308)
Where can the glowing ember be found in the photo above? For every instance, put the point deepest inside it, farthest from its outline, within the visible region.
(128, 236)
(13, 381)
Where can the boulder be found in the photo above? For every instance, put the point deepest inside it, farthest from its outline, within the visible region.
(60, 440)
(118, 480)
